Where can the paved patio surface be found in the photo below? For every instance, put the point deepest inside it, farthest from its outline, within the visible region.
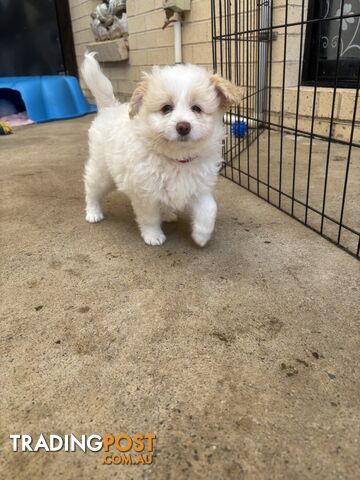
(243, 357)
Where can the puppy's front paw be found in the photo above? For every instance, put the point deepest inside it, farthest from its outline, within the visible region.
(94, 216)
(201, 238)
(154, 238)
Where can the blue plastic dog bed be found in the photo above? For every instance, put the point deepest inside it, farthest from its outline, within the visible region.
(51, 97)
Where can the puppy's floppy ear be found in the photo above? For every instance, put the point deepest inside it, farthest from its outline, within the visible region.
(229, 93)
(137, 98)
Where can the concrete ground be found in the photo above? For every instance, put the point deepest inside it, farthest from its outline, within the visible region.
(243, 357)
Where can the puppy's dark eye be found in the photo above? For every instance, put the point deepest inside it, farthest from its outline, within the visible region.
(196, 109)
(167, 109)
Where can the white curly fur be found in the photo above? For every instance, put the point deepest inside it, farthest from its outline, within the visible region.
(137, 149)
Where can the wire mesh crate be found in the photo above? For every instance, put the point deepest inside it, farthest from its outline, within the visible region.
(295, 140)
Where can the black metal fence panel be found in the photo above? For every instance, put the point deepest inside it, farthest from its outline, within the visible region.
(295, 140)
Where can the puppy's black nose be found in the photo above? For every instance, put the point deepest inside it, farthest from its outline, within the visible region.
(183, 128)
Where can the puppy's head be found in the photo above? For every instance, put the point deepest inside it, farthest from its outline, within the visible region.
(182, 105)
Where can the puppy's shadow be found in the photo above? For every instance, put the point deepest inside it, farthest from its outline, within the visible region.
(119, 215)
(120, 218)
(179, 233)
(119, 212)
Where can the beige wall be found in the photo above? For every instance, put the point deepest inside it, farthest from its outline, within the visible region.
(150, 45)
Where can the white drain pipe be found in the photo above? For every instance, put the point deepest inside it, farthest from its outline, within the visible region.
(177, 38)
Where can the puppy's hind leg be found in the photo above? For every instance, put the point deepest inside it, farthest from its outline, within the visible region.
(98, 183)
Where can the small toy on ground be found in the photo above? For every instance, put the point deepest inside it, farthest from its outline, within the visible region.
(5, 129)
(239, 128)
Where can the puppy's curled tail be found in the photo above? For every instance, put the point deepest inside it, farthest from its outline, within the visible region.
(99, 85)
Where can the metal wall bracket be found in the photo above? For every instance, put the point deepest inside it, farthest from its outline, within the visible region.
(268, 36)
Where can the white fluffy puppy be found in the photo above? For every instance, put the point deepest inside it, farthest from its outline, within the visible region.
(163, 148)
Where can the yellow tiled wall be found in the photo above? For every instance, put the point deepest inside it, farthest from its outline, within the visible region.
(149, 44)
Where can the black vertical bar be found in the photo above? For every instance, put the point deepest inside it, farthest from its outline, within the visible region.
(221, 37)
(247, 89)
(242, 27)
(332, 116)
(213, 35)
(237, 81)
(319, 26)
(349, 158)
(297, 107)
(257, 8)
(66, 37)
(269, 102)
(283, 101)
(229, 76)
(221, 68)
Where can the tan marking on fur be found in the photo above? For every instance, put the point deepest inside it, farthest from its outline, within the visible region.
(155, 99)
(229, 93)
(137, 97)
